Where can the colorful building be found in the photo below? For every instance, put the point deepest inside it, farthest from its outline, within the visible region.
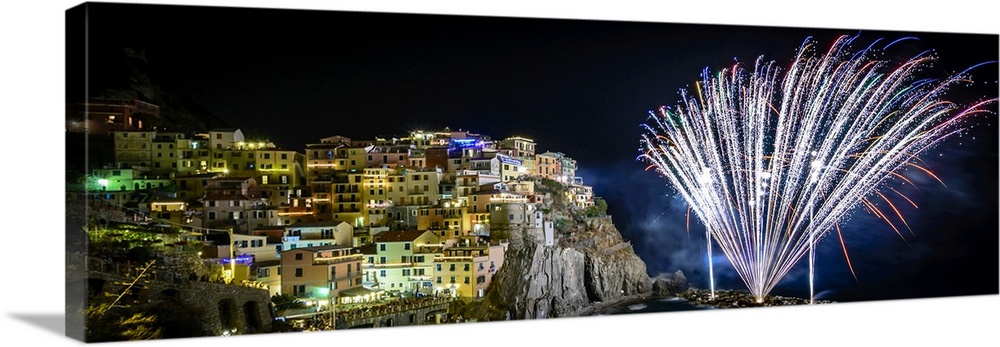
(466, 268)
(322, 274)
(401, 261)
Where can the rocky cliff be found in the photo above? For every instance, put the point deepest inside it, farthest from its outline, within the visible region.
(588, 264)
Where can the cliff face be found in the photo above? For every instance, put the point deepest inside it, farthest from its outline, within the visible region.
(589, 263)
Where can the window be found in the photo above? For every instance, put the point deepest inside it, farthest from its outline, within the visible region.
(263, 179)
(299, 290)
(466, 279)
(452, 279)
(381, 260)
(381, 247)
(381, 273)
(298, 272)
(452, 267)
(406, 272)
(284, 156)
(371, 260)
(333, 272)
(439, 268)
(439, 279)
(298, 256)
(467, 268)
(406, 246)
(267, 155)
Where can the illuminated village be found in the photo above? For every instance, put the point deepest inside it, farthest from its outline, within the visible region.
(372, 231)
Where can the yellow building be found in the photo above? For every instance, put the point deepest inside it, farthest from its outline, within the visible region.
(452, 219)
(375, 196)
(402, 260)
(163, 156)
(171, 210)
(268, 273)
(466, 268)
(347, 198)
(193, 155)
(517, 147)
(413, 187)
(192, 187)
(323, 162)
(133, 149)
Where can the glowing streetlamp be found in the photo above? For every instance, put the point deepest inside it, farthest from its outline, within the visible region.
(231, 274)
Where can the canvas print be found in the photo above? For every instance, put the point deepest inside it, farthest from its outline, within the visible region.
(239, 171)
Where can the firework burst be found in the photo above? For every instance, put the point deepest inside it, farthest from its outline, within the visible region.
(772, 160)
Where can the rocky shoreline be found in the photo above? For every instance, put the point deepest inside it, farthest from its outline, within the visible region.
(724, 299)
(597, 308)
(740, 299)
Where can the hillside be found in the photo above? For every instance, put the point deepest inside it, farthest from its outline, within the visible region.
(589, 264)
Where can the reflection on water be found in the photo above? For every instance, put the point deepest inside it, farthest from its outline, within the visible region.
(654, 305)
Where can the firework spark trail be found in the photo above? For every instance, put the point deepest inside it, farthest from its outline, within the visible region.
(770, 162)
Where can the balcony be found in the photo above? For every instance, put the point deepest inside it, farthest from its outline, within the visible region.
(391, 265)
(449, 259)
(337, 260)
(349, 276)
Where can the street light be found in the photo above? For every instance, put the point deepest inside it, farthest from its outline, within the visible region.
(232, 254)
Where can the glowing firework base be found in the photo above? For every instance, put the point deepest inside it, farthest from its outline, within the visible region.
(739, 298)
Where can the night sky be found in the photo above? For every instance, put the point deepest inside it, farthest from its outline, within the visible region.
(580, 87)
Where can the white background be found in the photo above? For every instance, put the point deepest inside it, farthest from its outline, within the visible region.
(32, 63)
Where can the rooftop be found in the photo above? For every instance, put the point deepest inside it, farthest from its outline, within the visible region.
(400, 235)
